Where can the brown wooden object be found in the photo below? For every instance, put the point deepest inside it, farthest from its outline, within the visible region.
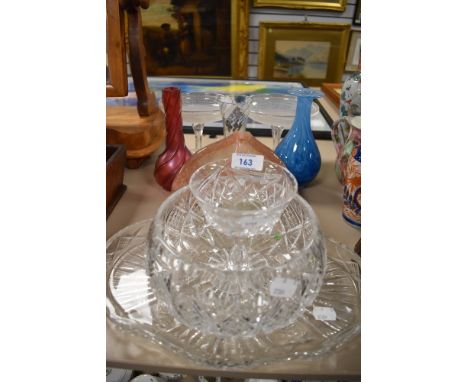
(115, 163)
(240, 142)
(142, 135)
(333, 91)
(116, 81)
(147, 104)
(141, 129)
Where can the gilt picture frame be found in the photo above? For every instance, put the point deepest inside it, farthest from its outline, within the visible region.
(353, 59)
(116, 64)
(357, 13)
(196, 39)
(312, 53)
(331, 5)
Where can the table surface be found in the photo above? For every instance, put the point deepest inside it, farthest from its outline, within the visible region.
(142, 199)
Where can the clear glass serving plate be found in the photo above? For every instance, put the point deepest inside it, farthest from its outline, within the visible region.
(135, 308)
(235, 286)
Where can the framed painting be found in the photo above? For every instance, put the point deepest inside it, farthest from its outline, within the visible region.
(357, 13)
(332, 5)
(116, 64)
(207, 38)
(354, 52)
(312, 53)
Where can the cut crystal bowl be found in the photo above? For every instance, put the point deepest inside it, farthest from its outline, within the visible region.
(235, 286)
(134, 307)
(242, 202)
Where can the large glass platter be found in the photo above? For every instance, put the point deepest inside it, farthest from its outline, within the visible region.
(135, 308)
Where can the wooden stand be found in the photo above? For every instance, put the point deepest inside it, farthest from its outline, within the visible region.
(141, 135)
(141, 129)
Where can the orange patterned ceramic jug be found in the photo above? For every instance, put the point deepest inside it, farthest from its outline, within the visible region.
(352, 189)
(346, 135)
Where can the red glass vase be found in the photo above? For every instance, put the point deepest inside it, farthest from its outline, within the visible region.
(176, 154)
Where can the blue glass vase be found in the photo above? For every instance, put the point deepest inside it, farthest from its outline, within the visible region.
(298, 149)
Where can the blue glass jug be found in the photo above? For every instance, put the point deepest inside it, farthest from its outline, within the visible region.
(298, 149)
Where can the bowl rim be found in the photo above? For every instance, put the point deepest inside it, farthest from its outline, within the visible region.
(155, 237)
(289, 174)
(313, 111)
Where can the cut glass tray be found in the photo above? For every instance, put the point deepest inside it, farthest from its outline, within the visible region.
(136, 309)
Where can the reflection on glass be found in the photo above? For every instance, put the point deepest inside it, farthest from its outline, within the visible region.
(235, 110)
(198, 109)
(276, 110)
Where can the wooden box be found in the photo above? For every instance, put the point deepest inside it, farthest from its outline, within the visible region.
(115, 163)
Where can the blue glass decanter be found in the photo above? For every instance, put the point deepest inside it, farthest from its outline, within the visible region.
(298, 149)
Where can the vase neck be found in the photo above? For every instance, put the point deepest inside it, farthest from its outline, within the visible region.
(304, 103)
(303, 110)
(173, 109)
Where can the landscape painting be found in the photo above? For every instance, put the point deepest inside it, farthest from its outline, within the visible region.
(312, 53)
(187, 37)
(301, 59)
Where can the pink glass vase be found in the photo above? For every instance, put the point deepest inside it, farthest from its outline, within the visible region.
(176, 154)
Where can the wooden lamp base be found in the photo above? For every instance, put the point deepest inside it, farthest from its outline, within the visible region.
(141, 136)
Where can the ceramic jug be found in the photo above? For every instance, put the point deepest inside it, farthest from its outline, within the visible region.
(346, 136)
(350, 99)
(350, 106)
